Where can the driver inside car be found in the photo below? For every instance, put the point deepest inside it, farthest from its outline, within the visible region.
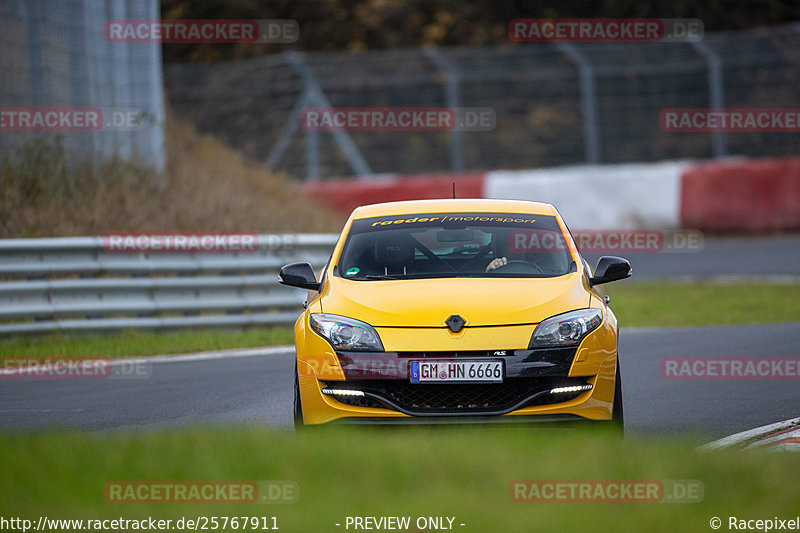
(529, 250)
(502, 251)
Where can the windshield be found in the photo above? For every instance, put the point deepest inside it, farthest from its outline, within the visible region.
(444, 245)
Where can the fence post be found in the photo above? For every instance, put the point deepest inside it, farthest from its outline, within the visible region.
(121, 93)
(591, 141)
(715, 92)
(33, 14)
(155, 139)
(278, 149)
(315, 96)
(312, 155)
(452, 91)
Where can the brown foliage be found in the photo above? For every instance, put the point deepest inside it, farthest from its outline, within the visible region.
(208, 187)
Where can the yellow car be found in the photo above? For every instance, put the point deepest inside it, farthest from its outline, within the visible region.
(456, 310)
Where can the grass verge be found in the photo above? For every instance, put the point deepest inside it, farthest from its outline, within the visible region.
(463, 473)
(137, 343)
(703, 304)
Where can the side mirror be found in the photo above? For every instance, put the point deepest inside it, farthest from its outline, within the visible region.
(299, 275)
(610, 268)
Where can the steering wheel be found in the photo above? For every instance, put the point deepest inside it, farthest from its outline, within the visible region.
(517, 266)
(479, 255)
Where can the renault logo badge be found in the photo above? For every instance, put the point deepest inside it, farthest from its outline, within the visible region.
(455, 323)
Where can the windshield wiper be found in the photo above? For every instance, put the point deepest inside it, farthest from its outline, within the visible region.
(380, 276)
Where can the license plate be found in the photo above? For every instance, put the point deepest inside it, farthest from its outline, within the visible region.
(456, 372)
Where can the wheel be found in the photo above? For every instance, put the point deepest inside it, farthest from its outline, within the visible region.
(298, 408)
(618, 416)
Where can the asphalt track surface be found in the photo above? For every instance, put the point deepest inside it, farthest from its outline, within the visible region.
(719, 257)
(257, 390)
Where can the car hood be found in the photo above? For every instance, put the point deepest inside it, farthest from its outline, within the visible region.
(479, 301)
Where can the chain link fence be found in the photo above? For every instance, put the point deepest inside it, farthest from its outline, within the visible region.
(55, 56)
(555, 103)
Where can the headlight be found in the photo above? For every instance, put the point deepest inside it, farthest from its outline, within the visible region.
(567, 329)
(346, 333)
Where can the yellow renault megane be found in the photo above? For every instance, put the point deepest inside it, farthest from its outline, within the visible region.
(456, 310)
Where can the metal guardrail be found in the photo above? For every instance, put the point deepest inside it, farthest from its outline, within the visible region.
(76, 284)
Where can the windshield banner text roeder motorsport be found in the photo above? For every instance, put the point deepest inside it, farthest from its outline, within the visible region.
(455, 220)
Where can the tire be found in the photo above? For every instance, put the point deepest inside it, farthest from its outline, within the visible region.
(297, 406)
(617, 415)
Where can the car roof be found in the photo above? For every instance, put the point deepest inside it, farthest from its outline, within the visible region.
(457, 205)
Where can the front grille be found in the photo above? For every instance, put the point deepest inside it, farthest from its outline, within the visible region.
(454, 398)
(539, 362)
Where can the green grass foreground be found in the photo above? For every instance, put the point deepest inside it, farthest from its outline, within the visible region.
(457, 472)
(636, 304)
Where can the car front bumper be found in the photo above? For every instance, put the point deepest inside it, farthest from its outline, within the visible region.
(388, 396)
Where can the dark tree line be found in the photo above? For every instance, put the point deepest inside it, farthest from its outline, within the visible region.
(374, 24)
